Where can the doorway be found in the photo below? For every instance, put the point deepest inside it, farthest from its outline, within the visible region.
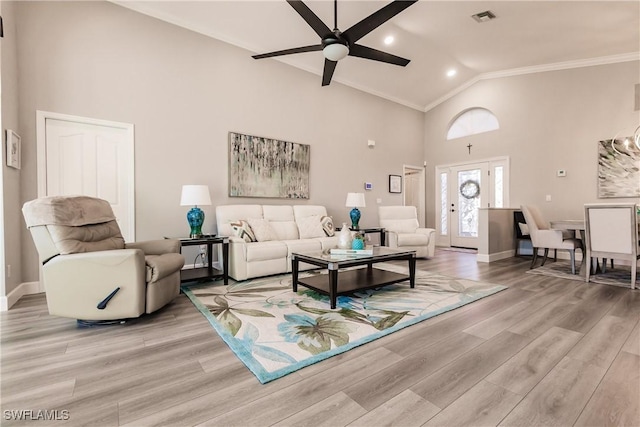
(90, 157)
(461, 190)
(414, 190)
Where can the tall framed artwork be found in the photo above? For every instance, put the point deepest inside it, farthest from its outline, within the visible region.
(264, 167)
(618, 168)
(14, 150)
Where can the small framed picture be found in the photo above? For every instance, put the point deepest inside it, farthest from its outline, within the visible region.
(395, 184)
(13, 149)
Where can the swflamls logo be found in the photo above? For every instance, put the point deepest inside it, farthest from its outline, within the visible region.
(36, 415)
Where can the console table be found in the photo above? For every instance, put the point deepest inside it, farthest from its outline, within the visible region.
(196, 273)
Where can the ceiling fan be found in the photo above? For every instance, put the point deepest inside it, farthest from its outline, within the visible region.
(336, 45)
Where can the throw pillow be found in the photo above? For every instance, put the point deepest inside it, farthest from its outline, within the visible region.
(524, 229)
(310, 227)
(241, 228)
(262, 229)
(327, 226)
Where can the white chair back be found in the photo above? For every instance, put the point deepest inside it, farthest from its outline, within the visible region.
(611, 229)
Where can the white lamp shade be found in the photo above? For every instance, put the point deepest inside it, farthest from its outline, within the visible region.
(355, 200)
(194, 195)
(335, 51)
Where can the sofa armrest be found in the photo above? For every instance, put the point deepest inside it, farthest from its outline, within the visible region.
(156, 247)
(96, 275)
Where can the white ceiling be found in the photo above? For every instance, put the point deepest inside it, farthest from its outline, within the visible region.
(527, 36)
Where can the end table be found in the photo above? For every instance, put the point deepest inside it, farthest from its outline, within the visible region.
(195, 274)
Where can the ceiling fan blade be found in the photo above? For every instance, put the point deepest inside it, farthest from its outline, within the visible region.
(370, 23)
(311, 18)
(312, 48)
(329, 68)
(377, 55)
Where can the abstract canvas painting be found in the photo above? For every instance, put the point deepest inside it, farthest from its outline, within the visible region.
(618, 169)
(263, 167)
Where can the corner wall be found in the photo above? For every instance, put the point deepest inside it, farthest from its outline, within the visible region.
(184, 92)
(548, 121)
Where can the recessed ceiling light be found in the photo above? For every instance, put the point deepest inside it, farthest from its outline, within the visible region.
(451, 73)
(388, 40)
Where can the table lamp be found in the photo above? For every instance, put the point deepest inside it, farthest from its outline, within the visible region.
(194, 195)
(355, 200)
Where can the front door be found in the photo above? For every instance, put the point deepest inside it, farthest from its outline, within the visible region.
(460, 191)
(80, 156)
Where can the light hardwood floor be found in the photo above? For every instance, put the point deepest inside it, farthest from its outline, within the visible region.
(546, 351)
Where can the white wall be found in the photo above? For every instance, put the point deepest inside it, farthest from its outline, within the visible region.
(548, 121)
(184, 92)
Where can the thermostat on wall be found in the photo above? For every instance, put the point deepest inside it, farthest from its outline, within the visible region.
(562, 172)
(368, 186)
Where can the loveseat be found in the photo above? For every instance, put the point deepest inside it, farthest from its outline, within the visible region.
(263, 237)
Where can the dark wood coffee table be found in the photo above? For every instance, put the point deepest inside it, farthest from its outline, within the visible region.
(345, 282)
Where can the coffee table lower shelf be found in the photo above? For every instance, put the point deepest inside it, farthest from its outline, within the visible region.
(350, 281)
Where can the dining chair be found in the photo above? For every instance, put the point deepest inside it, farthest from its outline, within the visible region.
(543, 237)
(612, 233)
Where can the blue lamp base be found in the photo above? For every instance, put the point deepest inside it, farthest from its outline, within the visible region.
(195, 217)
(355, 218)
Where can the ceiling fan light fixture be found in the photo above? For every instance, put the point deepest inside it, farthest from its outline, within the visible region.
(335, 51)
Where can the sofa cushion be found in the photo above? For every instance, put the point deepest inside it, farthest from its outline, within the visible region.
(226, 214)
(327, 226)
(310, 227)
(242, 229)
(262, 229)
(303, 246)
(262, 251)
(400, 225)
(328, 242)
(412, 239)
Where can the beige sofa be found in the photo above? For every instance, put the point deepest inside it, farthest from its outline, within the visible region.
(280, 230)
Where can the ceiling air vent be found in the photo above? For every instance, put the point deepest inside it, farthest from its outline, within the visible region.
(485, 16)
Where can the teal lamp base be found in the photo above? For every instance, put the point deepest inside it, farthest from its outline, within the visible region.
(355, 218)
(195, 217)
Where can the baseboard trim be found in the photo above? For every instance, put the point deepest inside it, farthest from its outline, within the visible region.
(496, 256)
(26, 288)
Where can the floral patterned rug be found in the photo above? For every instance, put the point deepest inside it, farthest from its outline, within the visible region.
(275, 331)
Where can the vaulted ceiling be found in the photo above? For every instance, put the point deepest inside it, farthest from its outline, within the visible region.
(437, 36)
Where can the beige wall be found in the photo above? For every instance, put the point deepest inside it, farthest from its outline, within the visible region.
(184, 92)
(548, 121)
(11, 178)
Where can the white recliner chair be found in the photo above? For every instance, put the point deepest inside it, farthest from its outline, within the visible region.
(89, 272)
(404, 232)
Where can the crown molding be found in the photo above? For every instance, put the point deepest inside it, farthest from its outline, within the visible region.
(566, 65)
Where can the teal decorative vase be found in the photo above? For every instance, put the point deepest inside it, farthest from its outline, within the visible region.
(357, 244)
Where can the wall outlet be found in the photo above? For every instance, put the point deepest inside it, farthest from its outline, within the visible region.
(548, 197)
(203, 250)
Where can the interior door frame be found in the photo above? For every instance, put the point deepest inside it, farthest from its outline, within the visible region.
(504, 161)
(422, 209)
(41, 157)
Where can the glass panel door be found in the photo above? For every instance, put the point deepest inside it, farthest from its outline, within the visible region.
(468, 184)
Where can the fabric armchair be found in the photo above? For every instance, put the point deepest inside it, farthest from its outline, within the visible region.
(542, 237)
(404, 232)
(89, 273)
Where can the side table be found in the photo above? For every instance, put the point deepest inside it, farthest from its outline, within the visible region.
(195, 274)
(380, 230)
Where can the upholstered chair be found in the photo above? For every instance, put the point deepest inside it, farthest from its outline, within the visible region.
(612, 233)
(543, 237)
(88, 270)
(404, 232)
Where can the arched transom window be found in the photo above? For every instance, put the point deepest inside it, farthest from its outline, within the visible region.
(471, 122)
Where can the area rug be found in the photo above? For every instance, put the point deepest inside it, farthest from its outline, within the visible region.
(620, 275)
(276, 331)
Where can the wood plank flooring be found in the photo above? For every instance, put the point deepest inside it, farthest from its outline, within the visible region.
(546, 351)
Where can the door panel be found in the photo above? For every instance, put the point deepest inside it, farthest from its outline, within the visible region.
(467, 186)
(92, 159)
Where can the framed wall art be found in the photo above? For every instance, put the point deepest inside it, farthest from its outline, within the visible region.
(618, 168)
(264, 167)
(14, 149)
(395, 184)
